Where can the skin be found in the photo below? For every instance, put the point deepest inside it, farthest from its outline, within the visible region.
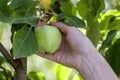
(77, 51)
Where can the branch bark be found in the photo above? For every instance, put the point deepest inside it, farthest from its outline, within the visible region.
(8, 57)
(19, 65)
(21, 70)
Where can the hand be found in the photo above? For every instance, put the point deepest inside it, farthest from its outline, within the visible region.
(74, 46)
(77, 51)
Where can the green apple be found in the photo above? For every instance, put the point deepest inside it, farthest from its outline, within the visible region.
(48, 38)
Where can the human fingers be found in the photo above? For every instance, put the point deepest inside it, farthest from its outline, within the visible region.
(62, 26)
(41, 24)
(54, 56)
(48, 56)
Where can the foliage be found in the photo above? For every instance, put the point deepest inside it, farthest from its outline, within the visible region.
(35, 76)
(101, 26)
(22, 37)
(5, 73)
(112, 56)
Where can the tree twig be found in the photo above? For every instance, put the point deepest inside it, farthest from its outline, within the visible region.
(6, 54)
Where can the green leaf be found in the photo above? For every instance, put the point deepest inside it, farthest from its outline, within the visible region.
(108, 41)
(92, 7)
(93, 33)
(14, 29)
(24, 43)
(118, 7)
(59, 72)
(32, 20)
(112, 12)
(82, 9)
(23, 4)
(19, 11)
(77, 77)
(55, 6)
(75, 21)
(2, 60)
(71, 20)
(6, 12)
(2, 76)
(53, 1)
(28, 16)
(61, 16)
(35, 76)
(2, 28)
(114, 25)
(97, 6)
(67, 8)
(110, 20)
(105, 22)
(7, 15)
(89, 10)
(113, 56)
(3, 3)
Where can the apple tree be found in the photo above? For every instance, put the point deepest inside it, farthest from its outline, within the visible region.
(95, 18)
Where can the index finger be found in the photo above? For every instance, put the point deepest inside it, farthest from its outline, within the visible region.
(60, 25)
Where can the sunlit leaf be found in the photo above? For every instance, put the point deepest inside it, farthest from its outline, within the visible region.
(77, 77)
(62, 72)
(35, 76)
(114, 25)
(110, 20)
(104, 23)
(112, 12)
(2, 28)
